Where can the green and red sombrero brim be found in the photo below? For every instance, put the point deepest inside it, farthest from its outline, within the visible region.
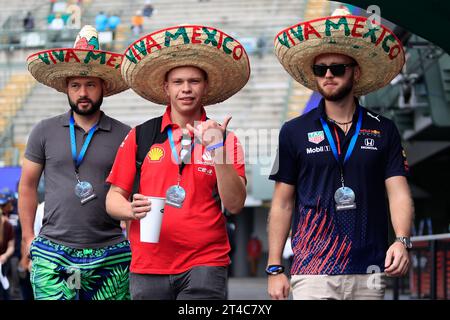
(148, 59)
(376, 49)
(52, 67)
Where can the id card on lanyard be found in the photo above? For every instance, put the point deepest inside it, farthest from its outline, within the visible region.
(83, 189)
(344, 196)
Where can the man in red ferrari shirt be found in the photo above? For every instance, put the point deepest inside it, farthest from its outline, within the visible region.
(194, 163)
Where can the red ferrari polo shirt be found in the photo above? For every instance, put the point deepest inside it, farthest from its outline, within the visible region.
(194, 234)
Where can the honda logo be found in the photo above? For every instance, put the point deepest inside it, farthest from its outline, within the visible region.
(369, 142)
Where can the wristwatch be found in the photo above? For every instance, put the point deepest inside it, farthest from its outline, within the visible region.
(274, 269)
(405, 240)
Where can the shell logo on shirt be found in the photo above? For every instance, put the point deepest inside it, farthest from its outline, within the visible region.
(155, 154)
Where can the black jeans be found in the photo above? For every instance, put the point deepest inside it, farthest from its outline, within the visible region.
(201, 282)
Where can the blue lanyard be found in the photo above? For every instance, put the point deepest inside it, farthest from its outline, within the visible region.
(174, 150)
(172, 145)
(78, 160)
(352, 142)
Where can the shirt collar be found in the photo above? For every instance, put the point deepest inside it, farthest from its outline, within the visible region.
(104, 123)
(167, 121)
(322, 114)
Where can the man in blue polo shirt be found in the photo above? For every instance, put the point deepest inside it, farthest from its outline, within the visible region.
(335, 165)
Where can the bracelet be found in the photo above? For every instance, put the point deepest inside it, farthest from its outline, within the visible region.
(214, 146)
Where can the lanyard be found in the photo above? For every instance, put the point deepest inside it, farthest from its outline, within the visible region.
(181, 164)
(352, 141)
(78, 160)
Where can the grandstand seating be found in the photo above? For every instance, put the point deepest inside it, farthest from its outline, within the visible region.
(260, 105)
(299, 94)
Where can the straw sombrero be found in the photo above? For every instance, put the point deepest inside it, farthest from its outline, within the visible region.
(224, 59)
(52, 67)
(375, 48)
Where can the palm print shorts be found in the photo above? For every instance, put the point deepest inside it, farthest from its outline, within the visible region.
(63, 273)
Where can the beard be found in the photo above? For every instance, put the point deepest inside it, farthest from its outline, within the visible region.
(95, 106)
(340, 94)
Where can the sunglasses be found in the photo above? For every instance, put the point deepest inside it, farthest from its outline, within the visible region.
(338, 70)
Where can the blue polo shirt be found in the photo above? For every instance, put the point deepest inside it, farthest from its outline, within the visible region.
(326, 241)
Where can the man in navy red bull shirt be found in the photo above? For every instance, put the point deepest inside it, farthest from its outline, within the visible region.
(335, 165)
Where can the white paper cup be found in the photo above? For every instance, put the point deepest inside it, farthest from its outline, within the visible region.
(151, 223)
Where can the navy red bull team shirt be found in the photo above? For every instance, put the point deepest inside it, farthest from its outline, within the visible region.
(326, 241)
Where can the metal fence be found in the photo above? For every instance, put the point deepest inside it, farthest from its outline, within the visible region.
(430, 268)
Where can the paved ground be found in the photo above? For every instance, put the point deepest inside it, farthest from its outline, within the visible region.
(256, 289)
(247, 289)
